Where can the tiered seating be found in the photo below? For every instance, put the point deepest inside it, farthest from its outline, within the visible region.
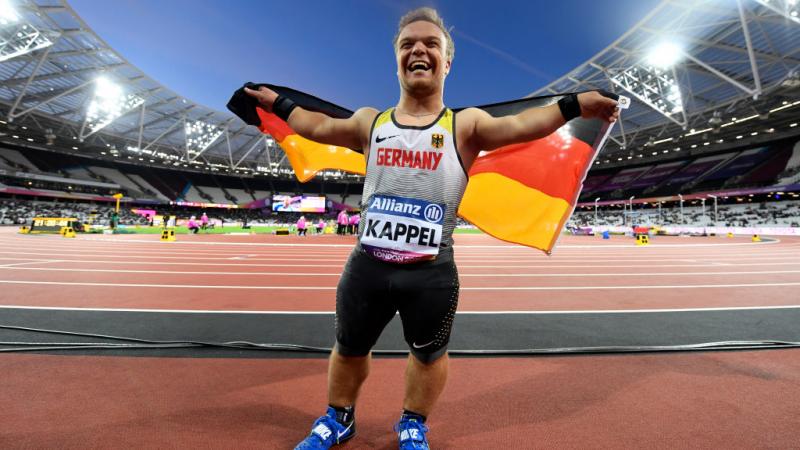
(241, 195)
(778, 214)
(691, 172)
(142, 182)
(217, 195)
(735, 168)
(16, 157)
(193, 195)
(115, 176)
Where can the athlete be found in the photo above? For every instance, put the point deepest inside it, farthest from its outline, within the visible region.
(418, 155)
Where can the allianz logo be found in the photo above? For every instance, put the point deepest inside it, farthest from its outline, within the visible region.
(431, 213)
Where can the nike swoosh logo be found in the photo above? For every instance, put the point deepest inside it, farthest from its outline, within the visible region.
(423, 345)
(339, 434)
(379, 139)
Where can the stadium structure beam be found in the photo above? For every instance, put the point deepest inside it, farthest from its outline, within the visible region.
(267, 145)
(27, 84)
(751, 56)
(109, 68)
(732, 48)
(236, 134)
(228, 142)
(164, 116)
(246, 145)
(203, 120)
(55, 97)
(67, 53)
(783, 12)
(250, 150)
(154, 111)
(168, 130)
(141, 125)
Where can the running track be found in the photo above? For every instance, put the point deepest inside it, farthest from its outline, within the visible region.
(264, 273)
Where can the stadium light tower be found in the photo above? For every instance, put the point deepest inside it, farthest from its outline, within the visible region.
(681, 198)
(630, 206)
(108, 103)
(653, 81)
(703, 202)
(199, 137)
(715, 207)
(596, 222)
(665, 55)
(18, 36)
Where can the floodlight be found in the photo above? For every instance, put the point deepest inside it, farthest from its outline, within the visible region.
(664, 55)
(109, 102)
(789, 9)
(7, 13)
(200, 135)
(17, 36)
(655, 87)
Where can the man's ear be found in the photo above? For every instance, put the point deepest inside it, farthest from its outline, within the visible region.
(447, 66)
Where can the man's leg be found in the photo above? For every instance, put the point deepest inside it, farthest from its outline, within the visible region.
(424, 384)
(346, 374)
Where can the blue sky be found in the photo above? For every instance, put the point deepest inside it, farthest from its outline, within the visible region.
(341, 50)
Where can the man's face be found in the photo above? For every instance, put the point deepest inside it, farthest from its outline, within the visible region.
(421, 58)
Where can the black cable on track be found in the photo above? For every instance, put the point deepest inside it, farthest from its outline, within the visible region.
(147, 344)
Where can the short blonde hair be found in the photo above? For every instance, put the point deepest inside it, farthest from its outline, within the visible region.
(426, 15)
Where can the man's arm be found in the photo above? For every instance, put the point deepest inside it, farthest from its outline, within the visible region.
(352, 132)
(484, 132)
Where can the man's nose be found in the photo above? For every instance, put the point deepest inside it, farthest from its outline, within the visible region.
(419, 48)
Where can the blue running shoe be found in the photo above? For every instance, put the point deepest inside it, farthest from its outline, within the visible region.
(411, 434)
(327, 432)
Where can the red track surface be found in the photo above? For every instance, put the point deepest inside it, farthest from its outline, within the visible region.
(276, 273)
(725, 400)
(698, 400)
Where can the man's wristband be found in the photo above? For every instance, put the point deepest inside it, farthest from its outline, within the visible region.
(570, 107)
(283, 107)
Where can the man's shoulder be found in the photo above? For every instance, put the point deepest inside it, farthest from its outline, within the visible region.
(366, 113)
(471, 113)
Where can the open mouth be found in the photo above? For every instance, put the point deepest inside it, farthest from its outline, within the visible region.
(419, 67)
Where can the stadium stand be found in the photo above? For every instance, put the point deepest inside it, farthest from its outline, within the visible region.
(214, 194)
(17, 160)
(773, 213)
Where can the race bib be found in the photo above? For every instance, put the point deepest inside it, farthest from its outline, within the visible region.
(402, 230)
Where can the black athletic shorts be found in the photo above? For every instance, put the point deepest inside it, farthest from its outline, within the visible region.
(370, 292)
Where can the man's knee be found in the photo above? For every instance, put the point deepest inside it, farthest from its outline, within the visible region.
(429, 358)
(350, 352)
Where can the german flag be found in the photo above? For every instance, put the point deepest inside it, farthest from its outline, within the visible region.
(521, 193)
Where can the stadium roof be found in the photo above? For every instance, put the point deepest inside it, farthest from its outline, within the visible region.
(735, 72)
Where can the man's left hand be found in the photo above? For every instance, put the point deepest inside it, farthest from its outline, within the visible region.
(595, 105)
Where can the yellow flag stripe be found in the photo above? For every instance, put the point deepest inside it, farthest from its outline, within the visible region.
(511, 211)
(308, 157)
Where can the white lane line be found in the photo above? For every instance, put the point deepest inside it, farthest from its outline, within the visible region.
(330, 288)
(155, 259)
(771, 240)
(460, 266)
(530, 312)
(15, 265)
(753, 252)
(464, 275)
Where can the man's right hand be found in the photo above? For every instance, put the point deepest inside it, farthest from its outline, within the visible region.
(265, 96)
